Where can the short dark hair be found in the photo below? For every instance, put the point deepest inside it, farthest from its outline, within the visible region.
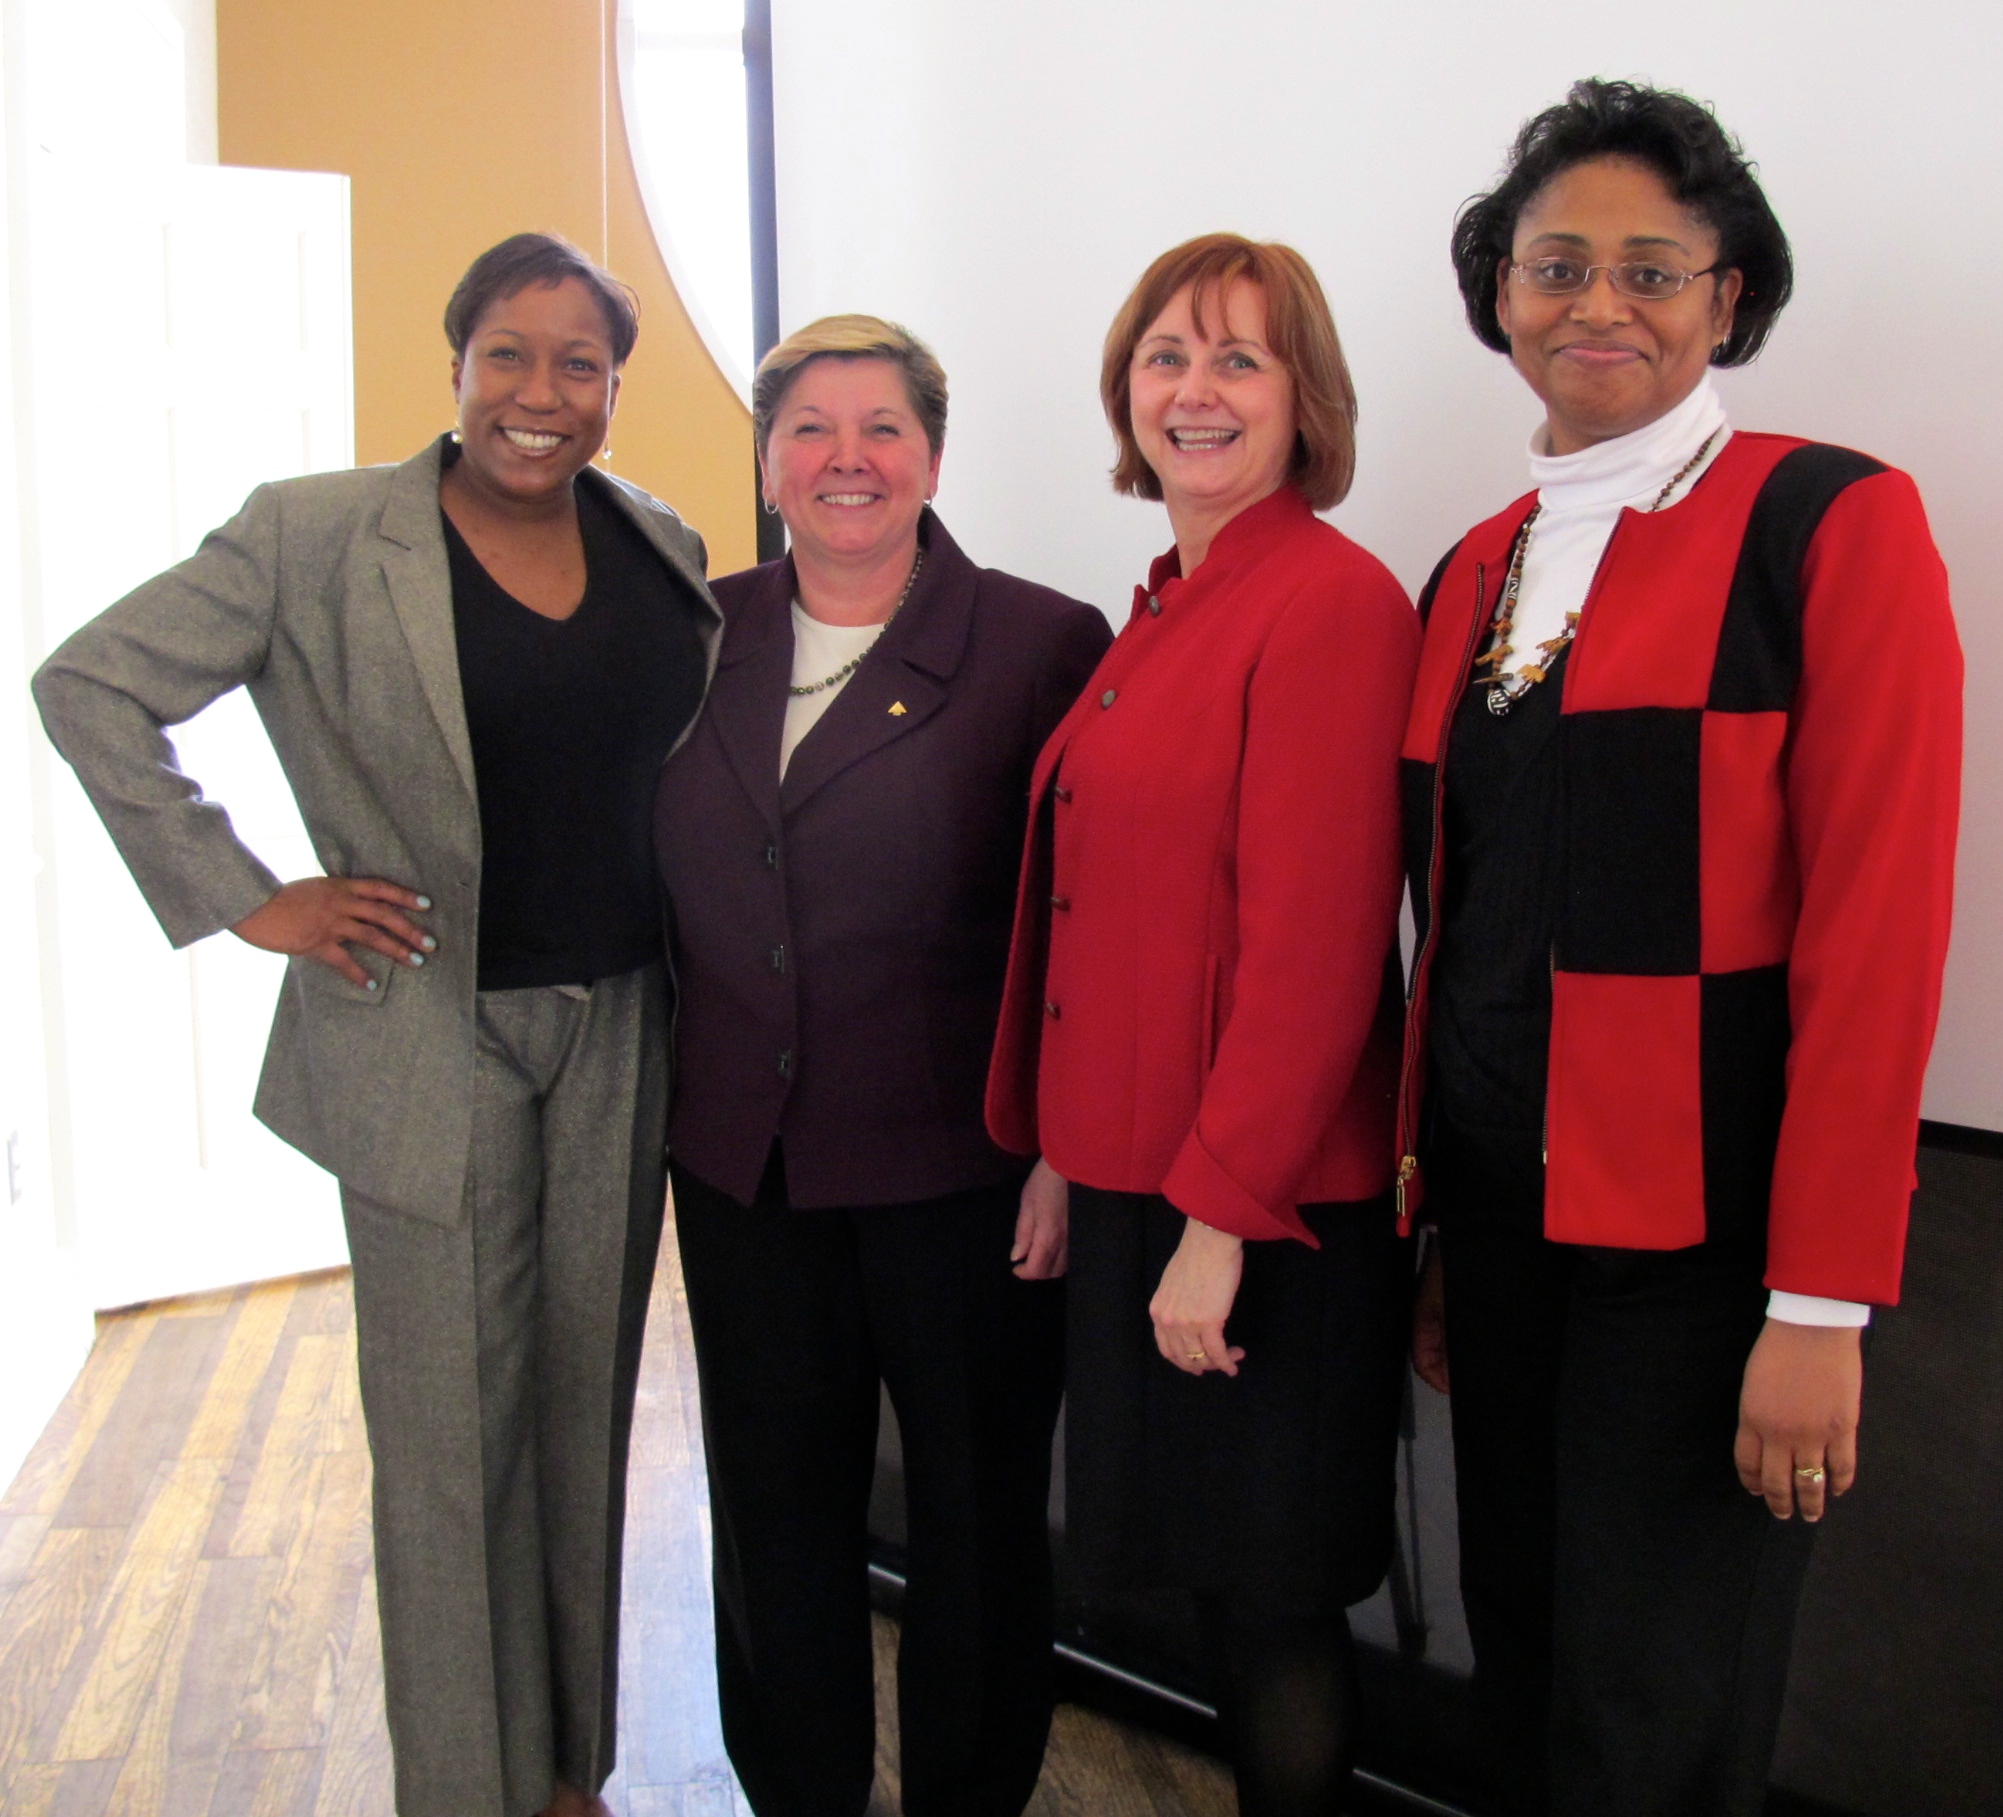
(1677, 138)
(523, 259)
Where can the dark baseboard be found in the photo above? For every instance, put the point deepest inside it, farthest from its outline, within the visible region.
(1782, 1803)
(1960, 1139)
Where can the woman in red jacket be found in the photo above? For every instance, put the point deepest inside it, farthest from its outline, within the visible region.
(1681, 786)
(1199, 1030)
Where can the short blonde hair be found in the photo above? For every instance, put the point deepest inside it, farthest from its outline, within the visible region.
(852, 337)
(1299, 330)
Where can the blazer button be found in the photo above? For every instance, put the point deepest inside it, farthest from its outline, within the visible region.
(1111, 694)
(1053, 1011)
(1060, 903)
(786, 1064)
(1061, 792)
(778, 958)
(1154, 605)
(771, 857)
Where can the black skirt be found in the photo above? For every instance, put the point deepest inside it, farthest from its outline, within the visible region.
(1275, 1487)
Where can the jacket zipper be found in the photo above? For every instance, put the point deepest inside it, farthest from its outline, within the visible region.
(1408, 1161)
(1544, 1125)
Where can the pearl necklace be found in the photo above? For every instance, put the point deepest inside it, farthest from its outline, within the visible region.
(854, 663)
(1504, 691)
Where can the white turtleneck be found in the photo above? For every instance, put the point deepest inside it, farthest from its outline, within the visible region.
(1580, 499)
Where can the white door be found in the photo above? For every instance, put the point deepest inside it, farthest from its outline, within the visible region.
(190, 337)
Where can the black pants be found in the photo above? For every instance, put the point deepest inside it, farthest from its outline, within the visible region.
(798, 1316)
(1631, 1606)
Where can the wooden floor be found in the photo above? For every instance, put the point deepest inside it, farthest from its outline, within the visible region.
(187, 1593)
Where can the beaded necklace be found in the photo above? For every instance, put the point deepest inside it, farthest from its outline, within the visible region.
(854, 663)
(1504, 691)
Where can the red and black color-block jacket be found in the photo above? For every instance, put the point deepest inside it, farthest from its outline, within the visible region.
(1760, 740)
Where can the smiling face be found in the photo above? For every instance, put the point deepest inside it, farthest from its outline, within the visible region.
(1605, 364)
(536, 387)
(847, 462)
(1212, 408)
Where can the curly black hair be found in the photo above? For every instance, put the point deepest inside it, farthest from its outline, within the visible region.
(1682, 142)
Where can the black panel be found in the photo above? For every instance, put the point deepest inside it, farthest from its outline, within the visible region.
(1746, 1030)
(1432, 586)
(1632, 896)
(1759, 650)
(1415, 788)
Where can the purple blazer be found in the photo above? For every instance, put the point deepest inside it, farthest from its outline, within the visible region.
(839, 941)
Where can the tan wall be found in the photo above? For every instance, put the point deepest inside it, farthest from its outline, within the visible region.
(460, 122)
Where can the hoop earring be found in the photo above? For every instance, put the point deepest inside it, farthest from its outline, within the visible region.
(771, 510)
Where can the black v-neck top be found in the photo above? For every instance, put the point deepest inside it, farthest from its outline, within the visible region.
(570, 721)
(1489, 1034)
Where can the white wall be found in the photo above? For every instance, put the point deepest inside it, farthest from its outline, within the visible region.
(197, 19)
(154, 330)
(45, 1323)
(997, 177)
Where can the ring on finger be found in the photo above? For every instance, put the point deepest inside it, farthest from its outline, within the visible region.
(1198, 1356)
(1810, 1473)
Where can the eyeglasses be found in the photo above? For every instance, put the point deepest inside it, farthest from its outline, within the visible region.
(1642, 279)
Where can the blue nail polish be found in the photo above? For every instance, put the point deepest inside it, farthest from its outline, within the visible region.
(417, 959)
(370, 985)
(429, 943)
(424, 902)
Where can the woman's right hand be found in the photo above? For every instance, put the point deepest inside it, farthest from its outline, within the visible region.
(319, 917)
(1194, 1299)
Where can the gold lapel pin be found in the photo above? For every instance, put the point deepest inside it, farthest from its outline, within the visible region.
(897, 709)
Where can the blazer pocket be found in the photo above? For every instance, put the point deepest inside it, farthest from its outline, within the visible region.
(322, 983)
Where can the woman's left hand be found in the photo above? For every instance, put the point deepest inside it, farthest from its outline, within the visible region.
(1043, 1225)
(1194, 1299)
(1798, 1416)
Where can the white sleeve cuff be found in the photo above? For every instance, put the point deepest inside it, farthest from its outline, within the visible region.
(1809, 1309)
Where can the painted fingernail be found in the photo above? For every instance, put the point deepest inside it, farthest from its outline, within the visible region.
(417, 959)
(424, 902)
(370, 985)
(428, 943)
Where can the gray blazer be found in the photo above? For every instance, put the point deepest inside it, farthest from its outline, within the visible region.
(330, 599)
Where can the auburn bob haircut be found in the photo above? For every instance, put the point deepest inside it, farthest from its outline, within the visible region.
(1299, 330)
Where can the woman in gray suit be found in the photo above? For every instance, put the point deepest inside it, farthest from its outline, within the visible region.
(472, 667)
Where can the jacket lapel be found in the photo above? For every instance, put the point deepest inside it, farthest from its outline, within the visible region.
(747, 706)
(420, 588)
(677, 543)
(905, 679)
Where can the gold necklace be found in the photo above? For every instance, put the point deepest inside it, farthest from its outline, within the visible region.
(1504, 691)
(849, 668)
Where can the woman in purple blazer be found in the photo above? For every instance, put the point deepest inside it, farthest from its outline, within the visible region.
(838, 840)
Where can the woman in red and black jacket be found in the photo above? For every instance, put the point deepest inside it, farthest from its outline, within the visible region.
(1200, 1022)
(1681, 785)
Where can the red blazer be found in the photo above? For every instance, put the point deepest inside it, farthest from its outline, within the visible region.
(1202, 994)
(1761, 749)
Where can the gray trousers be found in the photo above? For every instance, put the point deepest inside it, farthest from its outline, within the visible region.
(498, 1362)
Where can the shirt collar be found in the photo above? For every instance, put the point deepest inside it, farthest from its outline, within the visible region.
(1244, 535)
